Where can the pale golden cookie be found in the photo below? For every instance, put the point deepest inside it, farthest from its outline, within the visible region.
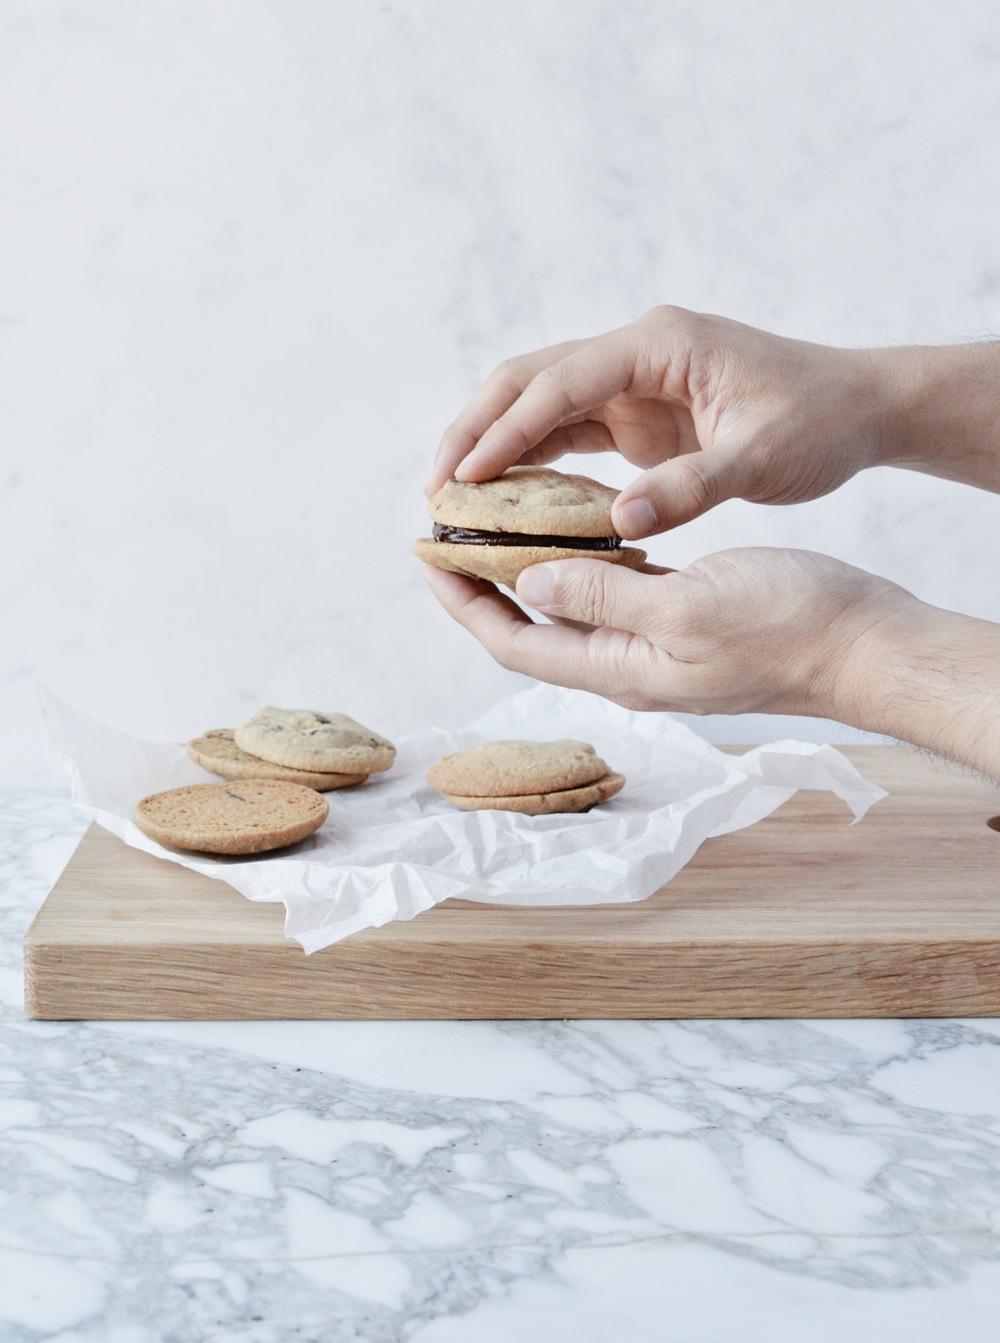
(217, 752)
(536, 778)
(546, 804)
(516, 768)
(528, 499)
(504, 564)
(306, 739)
(247, 817)
(526, 516)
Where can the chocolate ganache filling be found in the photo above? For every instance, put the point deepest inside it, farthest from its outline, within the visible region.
(468, 536)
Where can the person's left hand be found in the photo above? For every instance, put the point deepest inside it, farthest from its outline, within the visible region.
(741, 631)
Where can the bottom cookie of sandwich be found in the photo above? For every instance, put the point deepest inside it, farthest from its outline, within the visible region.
(504, 564)
(546, 804)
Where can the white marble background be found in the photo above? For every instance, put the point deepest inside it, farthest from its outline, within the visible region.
(254, 255)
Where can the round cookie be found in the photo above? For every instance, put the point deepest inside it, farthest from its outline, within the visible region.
(528, 515)
(217, 752)
(248, 817)
(323, 742)
(532, 499)
(546, 804)
(504, 564)
(517, 768)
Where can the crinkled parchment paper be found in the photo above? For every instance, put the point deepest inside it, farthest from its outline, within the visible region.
(392, 848)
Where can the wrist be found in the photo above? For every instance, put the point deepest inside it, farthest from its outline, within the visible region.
(929, 677)
(861, 657)
(877, 664)
(902, 379)
(937, 408)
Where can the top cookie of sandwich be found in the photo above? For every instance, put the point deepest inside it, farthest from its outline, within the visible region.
(217, 752)
(514, 768)
(304, 739)
(527, 499)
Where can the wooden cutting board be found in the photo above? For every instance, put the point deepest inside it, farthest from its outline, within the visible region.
(801, 915)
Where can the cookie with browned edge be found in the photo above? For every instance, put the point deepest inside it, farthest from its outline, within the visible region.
(533, 777)
(217, 752)
(251, 816)
(314, 741)
(530, 514)
(546, 804)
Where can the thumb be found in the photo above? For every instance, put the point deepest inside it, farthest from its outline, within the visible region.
(679, 490)
(595, 592)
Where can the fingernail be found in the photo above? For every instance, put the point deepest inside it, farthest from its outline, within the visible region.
(535, 585)
(635, 518)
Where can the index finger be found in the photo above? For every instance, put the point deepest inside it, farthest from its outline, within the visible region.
(585, 379)
(500, 390)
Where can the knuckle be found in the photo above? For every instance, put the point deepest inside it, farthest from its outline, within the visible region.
(553, 375)
(455, 433)
(516, 432)
(502, 654)
(669, 340)
(509, 372)
(669, 314)
(696, 484)
(555, 380)
(587, 599)
(581, 437)
(505, 653)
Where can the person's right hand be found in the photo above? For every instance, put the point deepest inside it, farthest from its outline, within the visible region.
(709, 408)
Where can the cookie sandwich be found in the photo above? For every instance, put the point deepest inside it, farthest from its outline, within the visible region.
(535, 778)
(323, 751)
(216, 751)
(526, 516)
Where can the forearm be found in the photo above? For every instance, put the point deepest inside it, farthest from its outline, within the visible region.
(932, 678)
(940, 410)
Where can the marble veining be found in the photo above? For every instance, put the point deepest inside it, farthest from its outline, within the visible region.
(439, 1181)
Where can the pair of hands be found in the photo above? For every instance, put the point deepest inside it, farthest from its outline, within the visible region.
(710, 410)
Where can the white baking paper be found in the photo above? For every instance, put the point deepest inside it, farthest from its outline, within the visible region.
(393, 848)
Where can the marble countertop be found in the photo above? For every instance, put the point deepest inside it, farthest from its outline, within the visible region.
(445, 1182)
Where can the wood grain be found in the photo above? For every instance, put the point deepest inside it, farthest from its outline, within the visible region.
(801, 915)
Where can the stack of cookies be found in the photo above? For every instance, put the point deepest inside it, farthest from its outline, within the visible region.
(323, 751)
(277, 763)
(535, 778)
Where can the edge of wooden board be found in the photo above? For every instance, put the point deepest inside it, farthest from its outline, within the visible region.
(518, 982)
